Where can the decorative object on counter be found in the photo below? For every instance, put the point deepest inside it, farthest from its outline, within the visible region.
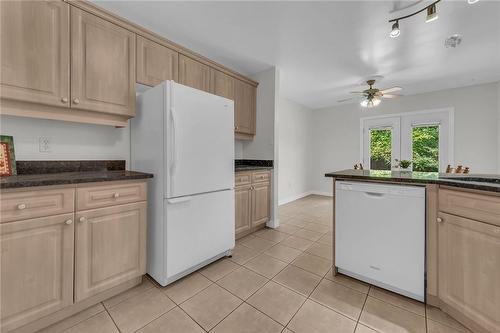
(402, 164)
(458, 169)
(358, 166)
(7, 156)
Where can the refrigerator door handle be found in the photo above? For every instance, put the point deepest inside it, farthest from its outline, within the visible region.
(174, 140)
(179, 200)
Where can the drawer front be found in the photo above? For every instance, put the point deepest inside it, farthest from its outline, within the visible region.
(110, 195)
(242, 178)
(479, 207)
(23, 205)
(262, 176)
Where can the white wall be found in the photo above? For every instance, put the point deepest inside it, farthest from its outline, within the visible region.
(295, 138)
(335, 139)
(69, 141)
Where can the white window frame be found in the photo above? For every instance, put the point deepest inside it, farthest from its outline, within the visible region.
(404, 122)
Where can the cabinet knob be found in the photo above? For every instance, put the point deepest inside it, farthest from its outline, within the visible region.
(439, 219)
(68, 222)
(21, 206)
(76, 100)
(82, 219)
(116, 195)
(64, 99)
(236, 127)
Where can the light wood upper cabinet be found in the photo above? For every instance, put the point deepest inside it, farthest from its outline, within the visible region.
(194, 74)
(35, 52)
(243, 200)
(261, 203)
(244, 107)
(110, 247)
(102, 65)
(469, 270)
(155, 63)
(223, 85)
(36, 268)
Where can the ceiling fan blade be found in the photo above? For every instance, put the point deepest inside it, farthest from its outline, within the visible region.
(393, 89)
(356, 92)
(346, 99)
(390, 96)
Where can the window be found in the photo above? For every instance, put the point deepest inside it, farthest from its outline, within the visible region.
(425, 138)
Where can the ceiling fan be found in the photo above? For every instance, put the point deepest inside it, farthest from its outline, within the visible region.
(372, 96)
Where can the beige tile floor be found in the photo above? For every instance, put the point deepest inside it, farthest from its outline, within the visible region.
(277, 281)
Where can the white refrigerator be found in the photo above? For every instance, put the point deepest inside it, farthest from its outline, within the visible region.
(185, 137)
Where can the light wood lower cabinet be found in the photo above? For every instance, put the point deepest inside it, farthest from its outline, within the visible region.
(253, 201)
(469, 260)
(243, 209)
(110, 247)
(36, 268)
(59, 263)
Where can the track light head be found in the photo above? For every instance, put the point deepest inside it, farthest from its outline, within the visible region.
(431, 13)
(471, 2)
(395, 32)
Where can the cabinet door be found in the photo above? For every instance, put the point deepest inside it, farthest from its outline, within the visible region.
(243, 199)
(469, 269)
(102, 65)
(193, 73)
(261, 203)
(36, 268)
(110, 247)
(223, 85)
(155, 63)
(244, 107)
(35, 51)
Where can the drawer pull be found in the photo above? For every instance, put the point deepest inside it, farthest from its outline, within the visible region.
(439, 220)
(21, 206)
(68, 222)
(82, 219)
(116, 195)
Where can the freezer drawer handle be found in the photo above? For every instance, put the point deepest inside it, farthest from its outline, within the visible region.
(374, 194)
(179, 200)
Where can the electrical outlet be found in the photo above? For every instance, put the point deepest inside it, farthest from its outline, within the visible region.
(44, 144)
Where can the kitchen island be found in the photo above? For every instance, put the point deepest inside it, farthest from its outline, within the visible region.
(462, 240)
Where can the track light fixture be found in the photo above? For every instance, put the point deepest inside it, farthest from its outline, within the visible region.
(431, 16)
(395, 30)
(471, 2)
(431, 13)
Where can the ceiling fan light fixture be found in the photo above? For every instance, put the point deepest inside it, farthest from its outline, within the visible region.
(370, 102)
(395, 32)
(431, 13)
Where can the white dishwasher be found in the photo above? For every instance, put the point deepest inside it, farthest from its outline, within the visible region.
(380, 235)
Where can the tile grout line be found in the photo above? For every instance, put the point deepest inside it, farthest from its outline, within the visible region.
(362, 308)
(112, 319)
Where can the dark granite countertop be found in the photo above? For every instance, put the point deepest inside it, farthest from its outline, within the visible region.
(251, 165)
(471, 181)
(44, 173)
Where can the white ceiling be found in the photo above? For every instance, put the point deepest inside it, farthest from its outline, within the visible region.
(324, 49)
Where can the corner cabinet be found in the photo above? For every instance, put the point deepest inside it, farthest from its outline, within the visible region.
(469, 258)
(59, 257)
(253, 201)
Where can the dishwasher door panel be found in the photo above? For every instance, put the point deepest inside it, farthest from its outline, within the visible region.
(380, 235)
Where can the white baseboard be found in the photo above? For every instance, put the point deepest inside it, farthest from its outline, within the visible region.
(302, 195)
